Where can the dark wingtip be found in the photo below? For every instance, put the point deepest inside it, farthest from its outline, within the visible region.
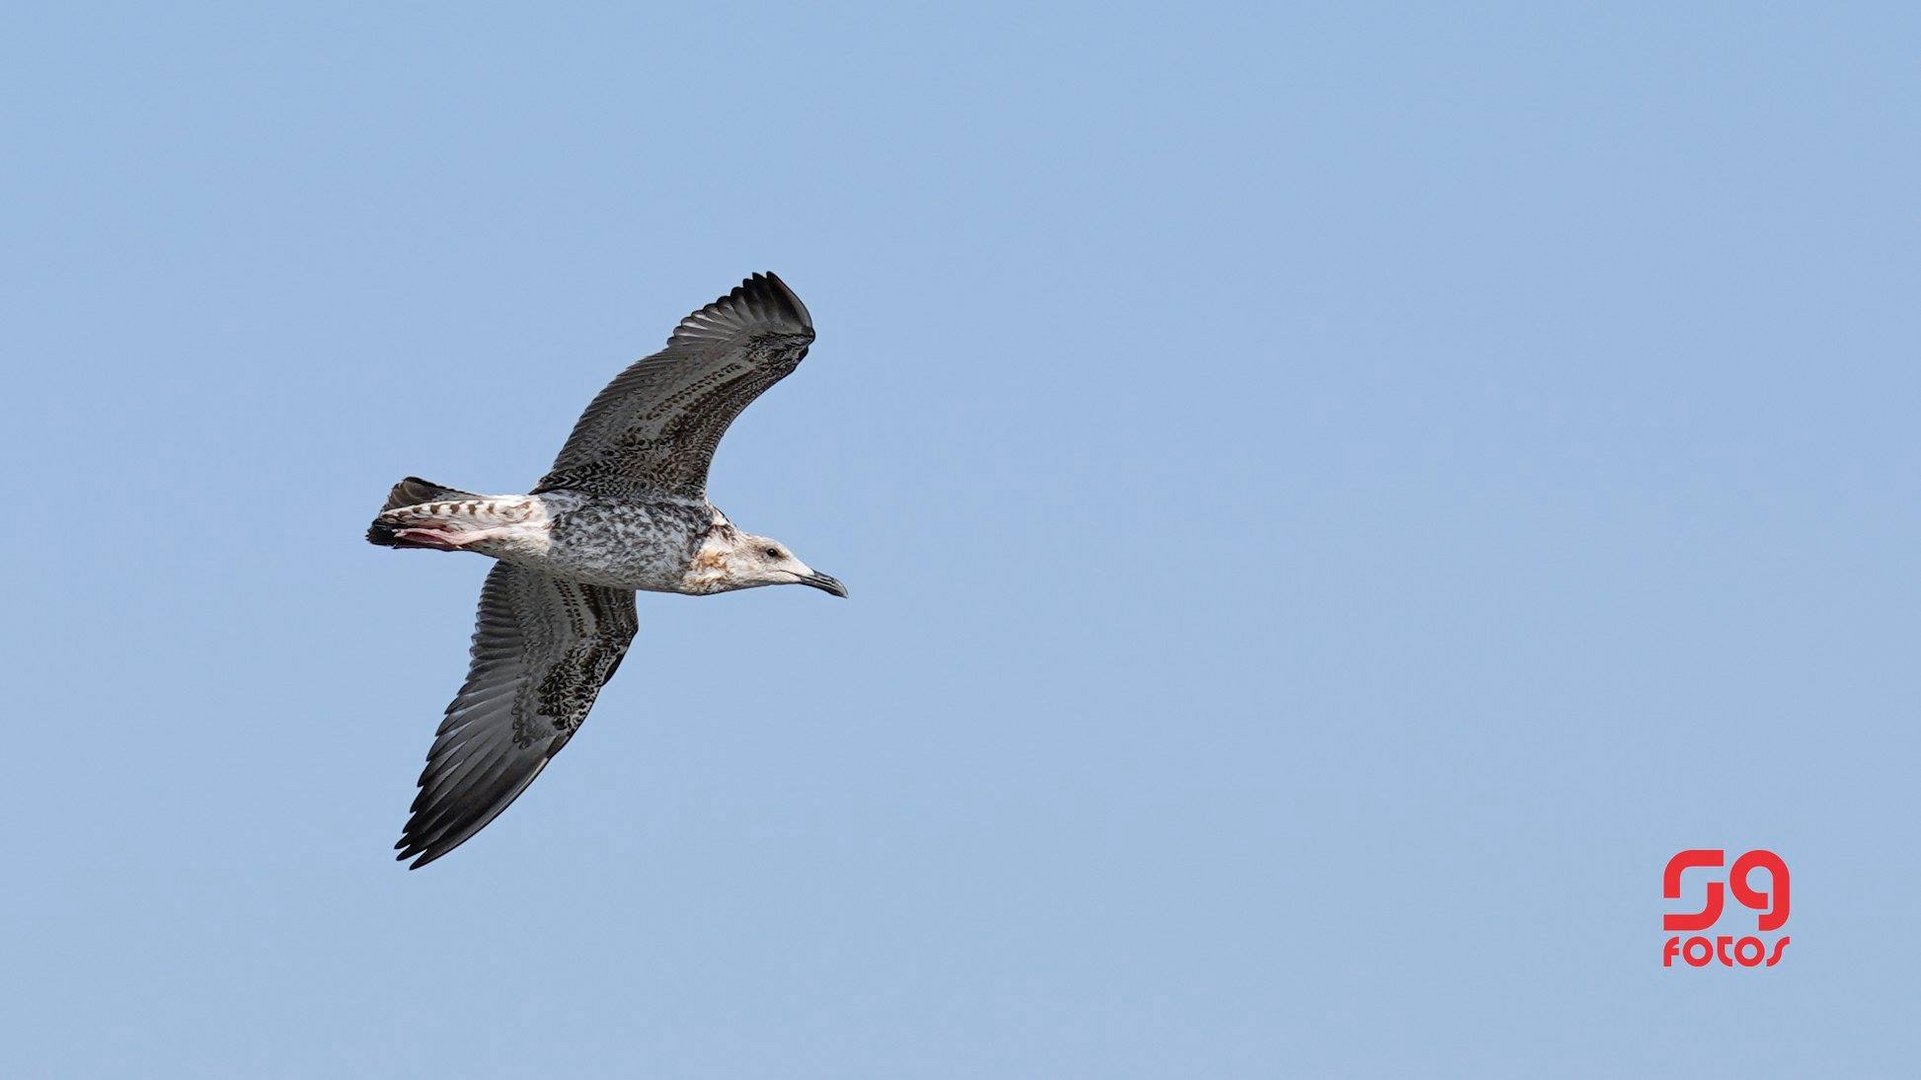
(787, 297)
(421, 845)
(761, 301)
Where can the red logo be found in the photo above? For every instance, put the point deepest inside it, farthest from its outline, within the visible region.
(1770, 901)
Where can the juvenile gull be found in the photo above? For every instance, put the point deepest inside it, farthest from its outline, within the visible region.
(624, 508)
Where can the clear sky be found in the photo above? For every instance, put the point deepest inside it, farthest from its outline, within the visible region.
(1332, 500)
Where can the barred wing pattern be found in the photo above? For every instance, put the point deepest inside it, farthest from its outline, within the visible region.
(654, 428)
(542, 649)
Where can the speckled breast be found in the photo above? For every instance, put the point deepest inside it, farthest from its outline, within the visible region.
(623, 543)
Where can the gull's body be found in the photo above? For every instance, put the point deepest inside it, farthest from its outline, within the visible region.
(624, 508)
(621, 543)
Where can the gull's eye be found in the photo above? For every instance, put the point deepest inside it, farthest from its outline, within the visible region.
(773, 553)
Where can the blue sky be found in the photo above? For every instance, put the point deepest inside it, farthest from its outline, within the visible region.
(1332, 500)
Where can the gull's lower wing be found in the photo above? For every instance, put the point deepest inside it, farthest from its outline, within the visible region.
(542, 649)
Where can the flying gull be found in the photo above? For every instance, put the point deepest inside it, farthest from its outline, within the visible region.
(624, 508)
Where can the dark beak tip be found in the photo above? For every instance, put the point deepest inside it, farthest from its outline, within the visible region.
(827, 584)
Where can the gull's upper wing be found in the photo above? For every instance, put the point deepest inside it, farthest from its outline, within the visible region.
(655, 427)
(542, 649)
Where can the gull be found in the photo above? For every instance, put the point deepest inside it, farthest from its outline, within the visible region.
(624, 508)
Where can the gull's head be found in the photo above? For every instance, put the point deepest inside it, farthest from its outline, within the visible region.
(741, 560)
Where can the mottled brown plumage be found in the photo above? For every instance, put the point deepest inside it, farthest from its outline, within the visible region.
(624, 508)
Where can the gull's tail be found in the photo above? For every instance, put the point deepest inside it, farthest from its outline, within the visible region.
(411, 492)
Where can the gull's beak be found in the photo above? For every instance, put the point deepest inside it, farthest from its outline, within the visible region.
(823, 583)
